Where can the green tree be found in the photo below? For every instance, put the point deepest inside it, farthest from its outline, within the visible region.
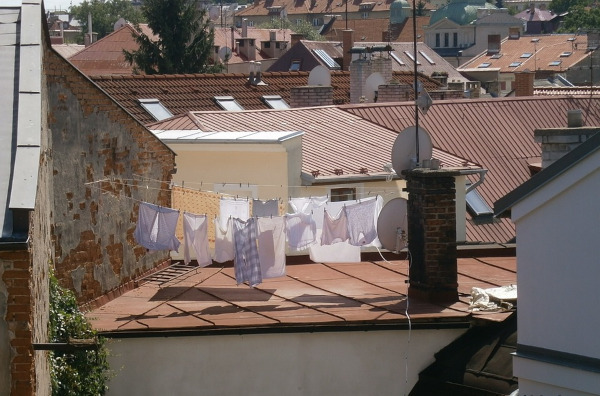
(104, 15)
(185, 39)
(560, 6)
(82, 372)
(303, 27)
(581, 18)
(421, 8)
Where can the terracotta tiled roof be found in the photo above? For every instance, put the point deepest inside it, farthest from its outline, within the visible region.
(497, 134)
(183, 93)
(547, 48)
(376, 30)
(105, 56)
(371, 292)
(567, 91)
(302, 7)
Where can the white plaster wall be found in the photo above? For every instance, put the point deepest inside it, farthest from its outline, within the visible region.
(303, 364)
(558, 251)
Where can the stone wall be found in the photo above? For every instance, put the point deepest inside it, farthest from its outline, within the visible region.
(105, 163)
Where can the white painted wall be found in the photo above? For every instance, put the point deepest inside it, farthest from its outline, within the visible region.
(558, 253)
(303, 364)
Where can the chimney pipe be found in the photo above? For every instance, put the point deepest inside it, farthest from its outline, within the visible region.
(244, 28)
(90, 30)
(347, 44)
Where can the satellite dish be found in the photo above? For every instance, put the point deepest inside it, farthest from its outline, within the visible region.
(404, 151)
(392, 225)
(225, 54)
(319, 76)
(372, 85)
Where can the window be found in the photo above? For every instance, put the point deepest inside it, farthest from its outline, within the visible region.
(266, 44)
(526, 55)
(396, 58)
(484, 65)
(565, 54)
(250, 23)
(446, 39)
(228, 103)
(412, 58)
(365, 15)
(437, 40)
(555, 63)
(515, 64)
(496, 56)
(325, 58)
(476, 204)
(298, 21)
(455, 39)
(427, 58)
(317, 22)
(343, 194)
(275, 102)
(155, 108)
(295, 66)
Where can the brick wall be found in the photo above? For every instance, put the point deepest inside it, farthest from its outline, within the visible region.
(523, 85)
(94, 139)
(432, 234)
(310, 96)
(557, 142)
(394, 93)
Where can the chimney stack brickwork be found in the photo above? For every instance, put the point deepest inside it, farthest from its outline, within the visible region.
(557, 142)
(394, 93)
(432, 234)
(524, 83)
(311, 95)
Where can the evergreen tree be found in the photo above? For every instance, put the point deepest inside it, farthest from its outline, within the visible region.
(184, 41)
(421, 8)
(581, 18)
(104, 15)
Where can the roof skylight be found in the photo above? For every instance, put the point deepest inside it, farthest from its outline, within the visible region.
(397, 59)
(328, 60)
(477, 205)
(565, 54)
(275, 102)
(155, 109)
(555, 63)
(484, 65)
(412, 58)
(228, 103)
(515, 64)
(424, 55)
(526, 55)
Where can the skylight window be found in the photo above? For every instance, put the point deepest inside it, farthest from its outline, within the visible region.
(515, 64)
(555, 63)
(412, 58)
(228, 103)
(275, 102)
(396, 58)
(497, 56)
(155, 109)
(328, 60)
(477, 205)
(295, 66)
(484, 65)
(427, 58)
(565, 54)
(526, 55)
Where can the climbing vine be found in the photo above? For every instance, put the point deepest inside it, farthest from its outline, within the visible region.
(80, 372)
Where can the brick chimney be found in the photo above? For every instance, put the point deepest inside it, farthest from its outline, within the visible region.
(524, 83)
(347, 44)
(557, 142)
(394, 93)
(432, 234)
(295, 38)
(311, 96)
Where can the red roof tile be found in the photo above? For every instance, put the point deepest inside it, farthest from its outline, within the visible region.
(377, 30)
(296, 7)
(371, 292)
(183, 93)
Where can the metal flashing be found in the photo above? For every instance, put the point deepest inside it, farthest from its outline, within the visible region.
(31, 24)
(30, 68)
(29, 120)
(24, 184)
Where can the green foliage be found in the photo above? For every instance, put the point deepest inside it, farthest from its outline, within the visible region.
(104, 15)
(79, 373)
(500, 3)
(303, 27)
(185, 39)
(560, 6)
(421, 8)
(581, 18)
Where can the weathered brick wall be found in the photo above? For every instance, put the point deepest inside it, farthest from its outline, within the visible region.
(94, 139)
(310, 96)
(17, 330)
(432, 234)
(523, 85)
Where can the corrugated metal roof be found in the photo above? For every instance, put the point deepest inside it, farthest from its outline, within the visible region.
(497, 134)
(195, 92)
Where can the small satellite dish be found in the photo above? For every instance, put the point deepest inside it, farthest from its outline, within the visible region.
(404, 151)
(225, 54)
(372, 86)
(392, 225)
(319, 76)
